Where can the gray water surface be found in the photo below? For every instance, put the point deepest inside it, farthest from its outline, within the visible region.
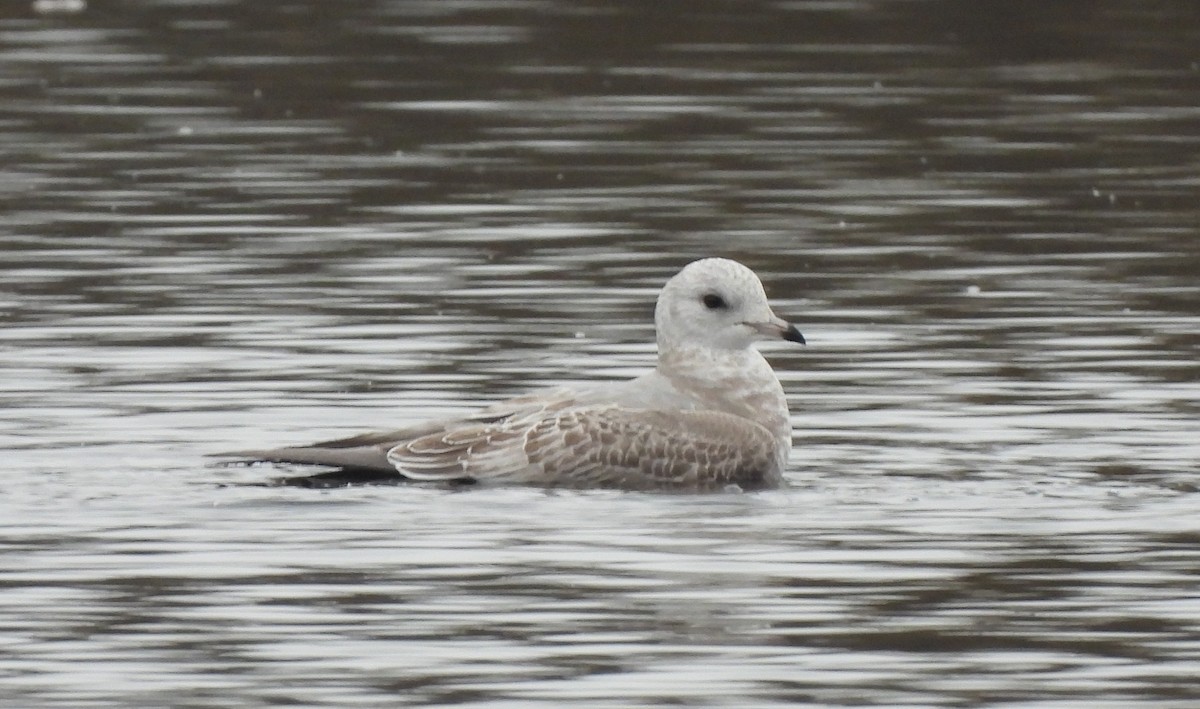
(231, 224)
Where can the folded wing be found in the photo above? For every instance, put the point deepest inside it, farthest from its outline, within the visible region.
(367, 452)
(600, 447)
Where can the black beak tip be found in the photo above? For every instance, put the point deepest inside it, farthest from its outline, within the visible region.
(791, 334)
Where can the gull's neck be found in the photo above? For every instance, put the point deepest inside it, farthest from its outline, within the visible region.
(739, 382)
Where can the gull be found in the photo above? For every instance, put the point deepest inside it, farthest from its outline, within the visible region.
(711, 416)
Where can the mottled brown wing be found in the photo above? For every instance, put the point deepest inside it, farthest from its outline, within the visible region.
(368, 451)
(602, 447)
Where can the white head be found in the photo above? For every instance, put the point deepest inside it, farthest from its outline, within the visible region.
(718, 304)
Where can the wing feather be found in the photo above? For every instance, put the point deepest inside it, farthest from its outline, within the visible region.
(610, 447)
(368, 451)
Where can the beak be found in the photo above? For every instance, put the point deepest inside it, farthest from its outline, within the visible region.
(777, 327)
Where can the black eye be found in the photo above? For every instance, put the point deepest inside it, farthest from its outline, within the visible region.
(712, 301)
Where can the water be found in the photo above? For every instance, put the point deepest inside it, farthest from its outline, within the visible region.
(228, 224)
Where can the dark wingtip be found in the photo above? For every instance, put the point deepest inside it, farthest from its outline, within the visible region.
(791, 334)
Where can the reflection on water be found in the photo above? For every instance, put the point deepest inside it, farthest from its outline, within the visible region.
(229, 224)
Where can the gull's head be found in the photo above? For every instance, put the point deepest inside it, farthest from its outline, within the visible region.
(718, 304)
